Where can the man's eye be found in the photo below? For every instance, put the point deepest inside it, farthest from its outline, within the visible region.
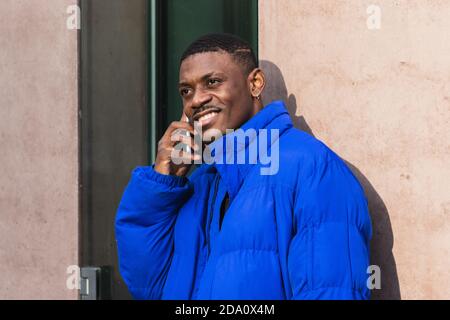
(213, 81)
(184, 92)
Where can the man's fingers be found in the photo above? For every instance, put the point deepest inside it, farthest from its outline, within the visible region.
(179, 125)
(184, 117)
(180, 156)
(181, 153)
(178, 137)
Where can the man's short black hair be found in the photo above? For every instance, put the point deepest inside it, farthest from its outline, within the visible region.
(238, 48)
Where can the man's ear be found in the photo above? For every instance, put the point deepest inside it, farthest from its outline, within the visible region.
(257, 81)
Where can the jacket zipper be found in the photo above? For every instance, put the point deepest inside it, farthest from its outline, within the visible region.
(211, 211)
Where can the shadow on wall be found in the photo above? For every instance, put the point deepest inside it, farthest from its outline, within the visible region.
(383, 239)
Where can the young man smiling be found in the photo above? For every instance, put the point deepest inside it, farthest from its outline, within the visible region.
(227, 231)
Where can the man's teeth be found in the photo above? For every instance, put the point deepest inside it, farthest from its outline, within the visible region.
(207, 116)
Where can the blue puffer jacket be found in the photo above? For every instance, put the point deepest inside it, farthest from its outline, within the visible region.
(302, 233)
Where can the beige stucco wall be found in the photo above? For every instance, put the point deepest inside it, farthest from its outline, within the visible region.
(381, 100)
(39, 149)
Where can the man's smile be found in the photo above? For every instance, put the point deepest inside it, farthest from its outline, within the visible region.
(207, 117)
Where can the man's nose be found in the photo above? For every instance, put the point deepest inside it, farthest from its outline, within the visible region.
(200, 98)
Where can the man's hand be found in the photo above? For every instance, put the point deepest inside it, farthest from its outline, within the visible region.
(175, 134)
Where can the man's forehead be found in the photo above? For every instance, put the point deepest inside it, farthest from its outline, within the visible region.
(200, 64)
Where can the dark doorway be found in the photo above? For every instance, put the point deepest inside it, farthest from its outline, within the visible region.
(129, 52)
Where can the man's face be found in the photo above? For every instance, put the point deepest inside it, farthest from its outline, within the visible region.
(215, 91)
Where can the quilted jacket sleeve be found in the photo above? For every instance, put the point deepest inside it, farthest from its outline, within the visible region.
(329, 254)
(144, 229)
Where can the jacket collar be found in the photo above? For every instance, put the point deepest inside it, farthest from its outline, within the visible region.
(272, 116)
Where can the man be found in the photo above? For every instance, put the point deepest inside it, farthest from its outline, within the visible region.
(231, 230)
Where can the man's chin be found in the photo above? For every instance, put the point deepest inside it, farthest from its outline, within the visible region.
(210, 135)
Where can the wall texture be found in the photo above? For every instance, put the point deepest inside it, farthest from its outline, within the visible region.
(381, 100)
(39, 149)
